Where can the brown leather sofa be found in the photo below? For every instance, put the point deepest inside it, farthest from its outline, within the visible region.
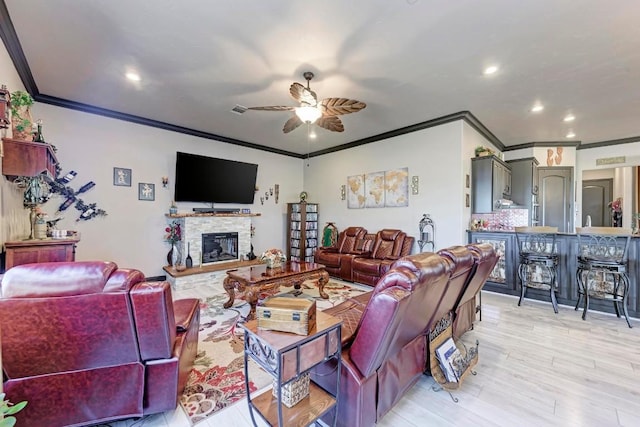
(388, 246)
(337, 260)
(384, 332)
(87, 343)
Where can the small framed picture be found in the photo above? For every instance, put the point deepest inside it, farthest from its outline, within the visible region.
(467, 181)
(467, 200)
(122, 177)
(146, 191)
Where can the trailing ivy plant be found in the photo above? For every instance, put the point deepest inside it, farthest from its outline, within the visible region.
(20, 101)
(7, 409)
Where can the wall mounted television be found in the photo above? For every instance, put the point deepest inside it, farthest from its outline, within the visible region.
(211, 180)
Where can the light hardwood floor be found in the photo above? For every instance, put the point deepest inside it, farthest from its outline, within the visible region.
(535, 368)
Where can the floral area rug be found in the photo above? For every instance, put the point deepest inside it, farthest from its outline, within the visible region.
(217, 378)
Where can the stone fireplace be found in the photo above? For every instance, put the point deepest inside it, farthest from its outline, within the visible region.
(194, 226)
(213, 240)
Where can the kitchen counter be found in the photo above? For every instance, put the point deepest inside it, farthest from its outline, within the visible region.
(504, 278)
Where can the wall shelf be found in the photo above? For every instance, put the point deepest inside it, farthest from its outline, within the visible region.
(25, 158)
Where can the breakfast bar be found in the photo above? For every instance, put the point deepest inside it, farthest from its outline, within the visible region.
(504, 278)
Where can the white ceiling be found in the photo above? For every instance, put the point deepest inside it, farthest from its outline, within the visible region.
(410, 61)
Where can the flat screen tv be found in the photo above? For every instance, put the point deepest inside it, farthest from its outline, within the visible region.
(211, 180)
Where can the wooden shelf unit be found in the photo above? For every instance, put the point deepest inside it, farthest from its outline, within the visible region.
(302, 231)
(25, 158)
(36, 251)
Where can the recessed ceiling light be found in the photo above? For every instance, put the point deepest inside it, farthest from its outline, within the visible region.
(313, 134)
(571, 134)
(537, 108)
(490, 70)
(569, 118)
(134, 77)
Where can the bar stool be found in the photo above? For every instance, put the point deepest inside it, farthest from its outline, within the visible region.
(538, 260)
(602, 267)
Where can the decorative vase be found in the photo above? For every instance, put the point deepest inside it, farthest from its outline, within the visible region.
(40, 229)
(617, 219)
(274, 263)
(170, 257)
(176, 255)
(188, 262)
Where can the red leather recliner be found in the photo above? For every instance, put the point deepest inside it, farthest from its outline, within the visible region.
(337, 260)
(388, 351)
(388, 247)
(86, 342)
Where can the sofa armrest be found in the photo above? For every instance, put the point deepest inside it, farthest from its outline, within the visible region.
(329, 249)
(185, 311)
(361, 254)
(154, 319)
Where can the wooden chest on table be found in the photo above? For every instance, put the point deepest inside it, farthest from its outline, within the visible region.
(286, 313)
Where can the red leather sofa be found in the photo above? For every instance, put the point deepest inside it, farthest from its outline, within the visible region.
(337, 260)
(87, 343)
(388, 246)
(384, 332)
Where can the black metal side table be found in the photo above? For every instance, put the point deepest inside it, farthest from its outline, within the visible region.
(287, 358)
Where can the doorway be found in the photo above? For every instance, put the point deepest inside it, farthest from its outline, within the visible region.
(596, 195)
(555, 186)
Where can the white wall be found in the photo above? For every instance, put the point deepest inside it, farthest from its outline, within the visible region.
(433, 154)
(132, 234)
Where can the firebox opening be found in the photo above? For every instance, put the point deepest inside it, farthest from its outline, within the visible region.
(219, 247)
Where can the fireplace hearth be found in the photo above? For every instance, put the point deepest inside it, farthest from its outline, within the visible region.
(218, 247)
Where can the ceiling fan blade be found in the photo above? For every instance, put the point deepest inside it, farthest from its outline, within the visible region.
(332, 123)
(273, 108)
(338, 106)
(291, 124)
(303, 95)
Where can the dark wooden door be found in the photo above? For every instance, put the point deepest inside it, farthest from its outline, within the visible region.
(555, 186)
(596, 195)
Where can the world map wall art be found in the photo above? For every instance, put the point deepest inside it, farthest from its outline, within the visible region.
(378, 189)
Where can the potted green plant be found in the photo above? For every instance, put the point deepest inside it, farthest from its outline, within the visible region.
(21, 120)
(483, 151)
(7, 409)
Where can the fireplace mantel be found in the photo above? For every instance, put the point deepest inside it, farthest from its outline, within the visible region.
(200, 214)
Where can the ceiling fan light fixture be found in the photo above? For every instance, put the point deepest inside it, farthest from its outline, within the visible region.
(308, 114)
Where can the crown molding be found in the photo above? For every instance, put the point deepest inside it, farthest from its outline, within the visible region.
(543, 144)
(466, 116)
(86, 108)
(610, 142)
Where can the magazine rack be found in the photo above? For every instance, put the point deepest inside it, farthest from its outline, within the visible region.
(437, 337)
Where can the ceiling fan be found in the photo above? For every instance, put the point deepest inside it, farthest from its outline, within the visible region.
(324, 113)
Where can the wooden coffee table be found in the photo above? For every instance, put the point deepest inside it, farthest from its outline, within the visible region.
(255, 279)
